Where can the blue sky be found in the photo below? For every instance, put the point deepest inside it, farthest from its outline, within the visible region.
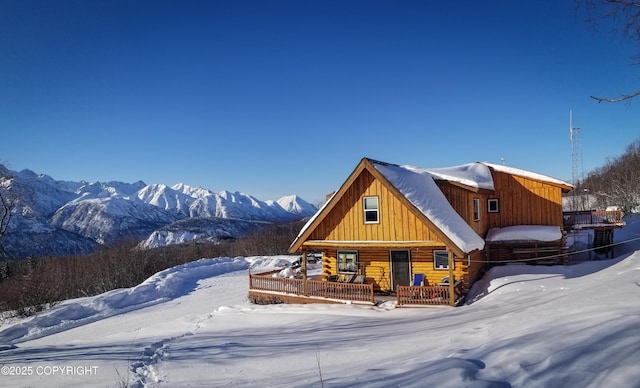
(280, 97)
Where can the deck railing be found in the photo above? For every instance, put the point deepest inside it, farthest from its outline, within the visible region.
(425, 295)
(315, 288)
(586, 218)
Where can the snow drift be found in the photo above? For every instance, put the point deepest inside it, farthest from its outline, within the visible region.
(191, 325)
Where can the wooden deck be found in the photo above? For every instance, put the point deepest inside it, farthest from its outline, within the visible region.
(264, 287)
(602, 222)
(428, 295)
(592, 219)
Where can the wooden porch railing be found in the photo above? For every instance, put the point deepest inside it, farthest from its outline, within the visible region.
(315, 288)
(426, 295)
(586, 218)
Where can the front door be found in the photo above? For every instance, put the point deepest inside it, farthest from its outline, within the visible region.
(400, 274)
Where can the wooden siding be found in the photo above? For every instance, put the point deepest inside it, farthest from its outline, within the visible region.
(521, 201)
(524, 201)
(345, 222)
(530, 252)
(461, 200)
(375, 264)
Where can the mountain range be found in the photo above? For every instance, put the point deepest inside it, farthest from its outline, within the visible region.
(51, 217)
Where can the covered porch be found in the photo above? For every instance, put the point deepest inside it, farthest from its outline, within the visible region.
(373, 282)
(266, 289)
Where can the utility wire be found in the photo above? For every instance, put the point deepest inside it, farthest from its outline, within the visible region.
(553, 256)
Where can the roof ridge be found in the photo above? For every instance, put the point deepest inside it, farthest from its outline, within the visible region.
(374, 161)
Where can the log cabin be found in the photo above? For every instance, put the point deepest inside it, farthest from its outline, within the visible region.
(388, 223)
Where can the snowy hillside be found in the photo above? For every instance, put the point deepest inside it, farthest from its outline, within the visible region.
(56, 217)
(191, 325)
(212, 229)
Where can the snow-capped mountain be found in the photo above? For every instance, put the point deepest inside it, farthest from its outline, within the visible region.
(106, 220)
(58, 217)
(296, 205)
(166, 198)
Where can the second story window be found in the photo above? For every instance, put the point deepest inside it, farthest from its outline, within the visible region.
(492, 205)
(371, 214)
(476, 209)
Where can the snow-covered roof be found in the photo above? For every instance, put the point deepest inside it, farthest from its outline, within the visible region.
(420, 189)
(525, 233)
(478, 174)
(475, 175)
(418, 186)
(527, 174)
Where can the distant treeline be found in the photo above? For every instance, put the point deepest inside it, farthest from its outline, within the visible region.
(617, 182)
(29, 286)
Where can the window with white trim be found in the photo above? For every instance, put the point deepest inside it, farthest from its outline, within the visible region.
(476, 209)
(371, 213)
(347, 261)
(440, 259)
(493, 205)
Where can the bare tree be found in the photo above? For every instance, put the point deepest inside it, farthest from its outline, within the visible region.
(616, 183)
(5, 213)
(625, 17)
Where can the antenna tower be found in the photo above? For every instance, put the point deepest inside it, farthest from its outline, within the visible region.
(576, 151)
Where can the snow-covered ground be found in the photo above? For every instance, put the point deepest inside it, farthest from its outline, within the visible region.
(523, 326)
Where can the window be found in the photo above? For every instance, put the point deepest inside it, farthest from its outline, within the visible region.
(476, 209)
(440, 259)
(492, 205)
(371, 210)
(348, 261)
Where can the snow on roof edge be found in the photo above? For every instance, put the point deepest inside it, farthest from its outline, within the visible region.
(312, 219)
(421, 190)
(525, 173)
(475, 175)
(544, 233)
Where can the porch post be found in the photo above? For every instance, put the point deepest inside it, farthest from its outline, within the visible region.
(452, 301)
(613, 253)
(304, 273)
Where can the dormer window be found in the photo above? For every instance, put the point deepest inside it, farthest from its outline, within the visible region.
(371, 214)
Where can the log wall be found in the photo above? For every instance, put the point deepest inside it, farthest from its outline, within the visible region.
(375, 264)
